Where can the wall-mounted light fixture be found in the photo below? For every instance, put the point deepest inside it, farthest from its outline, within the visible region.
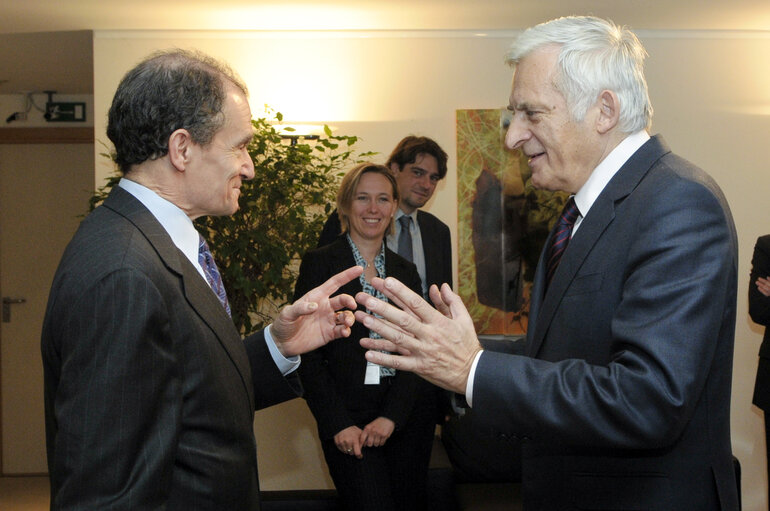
(295, 132)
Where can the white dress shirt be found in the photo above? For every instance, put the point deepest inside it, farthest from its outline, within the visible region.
(184, 235)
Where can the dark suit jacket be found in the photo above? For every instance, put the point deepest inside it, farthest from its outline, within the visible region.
(759, 310)
(436, 243)
(150, 391)
(623, 399)
(333, 376)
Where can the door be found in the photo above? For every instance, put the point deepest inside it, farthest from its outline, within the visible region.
(43, 189)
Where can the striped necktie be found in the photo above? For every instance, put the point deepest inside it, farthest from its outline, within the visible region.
(561, 236)
(213, 277)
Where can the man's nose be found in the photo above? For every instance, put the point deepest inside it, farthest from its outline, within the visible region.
(517, 133)
(247, 171)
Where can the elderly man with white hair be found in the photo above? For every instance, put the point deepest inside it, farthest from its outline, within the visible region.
(622, 399)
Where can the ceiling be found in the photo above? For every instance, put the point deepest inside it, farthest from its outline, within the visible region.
(46, 44)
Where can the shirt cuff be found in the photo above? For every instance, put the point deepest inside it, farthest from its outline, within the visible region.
(471, 376)
(285, 365)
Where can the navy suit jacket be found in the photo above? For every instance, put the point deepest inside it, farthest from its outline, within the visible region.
(436, 244)
(150, 391)
(622, 401)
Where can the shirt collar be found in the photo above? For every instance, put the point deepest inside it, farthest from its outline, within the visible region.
(176, 223)
(400, 213)
(609, 166)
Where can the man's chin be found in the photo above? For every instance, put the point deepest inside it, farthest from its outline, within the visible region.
(417, 204)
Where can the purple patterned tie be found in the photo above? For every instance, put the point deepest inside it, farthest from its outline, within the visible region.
(561, 236)
(213, 277)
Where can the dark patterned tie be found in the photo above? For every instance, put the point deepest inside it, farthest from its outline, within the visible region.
(405, 238)
(213, 277)
(561, 237)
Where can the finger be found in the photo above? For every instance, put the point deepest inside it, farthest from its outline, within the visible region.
(331, 286)
(357, 450)
(397, 319)
(400, 339)
(457, 309)
(438, 302)
(343, 301)
(340, 331)
(398, 362)
(344, 318)
(381, 344)
(404, 297)
(397, 301)
(299, 308)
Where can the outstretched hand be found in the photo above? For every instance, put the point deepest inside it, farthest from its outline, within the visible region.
(438, 345)
(315, 319)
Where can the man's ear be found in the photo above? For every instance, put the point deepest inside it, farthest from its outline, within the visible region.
(609, 111)
(394, 169)
(179, 149)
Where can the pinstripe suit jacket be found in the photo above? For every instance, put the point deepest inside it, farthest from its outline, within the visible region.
(149, 390)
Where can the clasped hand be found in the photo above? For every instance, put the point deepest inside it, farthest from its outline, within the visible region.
(353, 439)
(437, 344)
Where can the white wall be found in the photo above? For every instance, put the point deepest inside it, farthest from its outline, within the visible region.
(711, 92)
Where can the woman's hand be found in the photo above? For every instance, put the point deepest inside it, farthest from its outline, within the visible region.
(349, 442)
(377, 432)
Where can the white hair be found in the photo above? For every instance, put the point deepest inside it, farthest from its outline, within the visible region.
(594, 55)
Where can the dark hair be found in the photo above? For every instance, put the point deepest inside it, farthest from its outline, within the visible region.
(410, 147)
(167, 91)
(348, 190)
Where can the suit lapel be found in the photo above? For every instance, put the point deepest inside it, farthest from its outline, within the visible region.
(197, 292)
(342, 259)
(599, 217)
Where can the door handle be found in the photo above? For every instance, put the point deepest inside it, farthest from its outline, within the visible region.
(7, 302)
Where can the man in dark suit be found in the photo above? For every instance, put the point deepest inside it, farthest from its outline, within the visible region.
(759, 310)
(622, 399)
(150, 391)
(418, 164)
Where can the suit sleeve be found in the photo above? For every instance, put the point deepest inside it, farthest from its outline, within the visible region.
(270, 386)
(666, 327)
(321, 396)
(114, 359)
(759, 304)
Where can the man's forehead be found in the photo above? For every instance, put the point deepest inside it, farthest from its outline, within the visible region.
(424, 160)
